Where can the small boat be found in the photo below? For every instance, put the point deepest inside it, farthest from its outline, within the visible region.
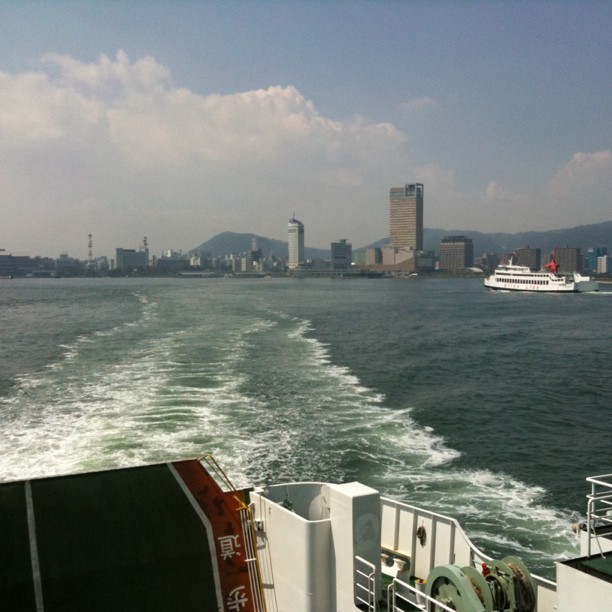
(180, 536)
(511, 277)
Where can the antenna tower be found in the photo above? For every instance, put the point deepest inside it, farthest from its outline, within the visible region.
(90, 247)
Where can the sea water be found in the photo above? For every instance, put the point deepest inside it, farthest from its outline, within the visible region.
(490, 407)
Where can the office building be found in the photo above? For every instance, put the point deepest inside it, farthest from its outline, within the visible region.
(129, 259)
(532, 258)
(295, 244)
(592, 258)
(604, 264)
(569, 259)
(456, 252)
(341, 255)
(406, 216)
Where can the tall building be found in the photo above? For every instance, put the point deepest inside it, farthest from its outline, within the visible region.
(295, 243)
(592, 257)
(604, 264)
(530, 257)
(341, 254)
(406, 216)
(569, 259)
(456, 252)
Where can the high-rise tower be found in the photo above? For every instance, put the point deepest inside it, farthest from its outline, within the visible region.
(296, 243)
(406, 216)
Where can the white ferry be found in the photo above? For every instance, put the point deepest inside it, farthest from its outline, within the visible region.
(510, 277)
(179, 536)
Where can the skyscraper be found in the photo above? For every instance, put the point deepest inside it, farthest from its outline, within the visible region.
(295, 243)
(406, 216)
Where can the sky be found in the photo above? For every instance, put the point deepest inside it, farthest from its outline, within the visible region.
(179, 120)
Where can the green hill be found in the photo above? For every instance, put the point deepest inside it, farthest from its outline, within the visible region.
(227, 243)
(583, 236)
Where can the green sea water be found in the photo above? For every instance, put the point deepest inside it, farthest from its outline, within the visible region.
(491, 407)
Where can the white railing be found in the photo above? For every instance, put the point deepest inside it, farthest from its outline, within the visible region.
(365, 583)
(252, 561)
(445, 540)
(400, 593)
(599, 507)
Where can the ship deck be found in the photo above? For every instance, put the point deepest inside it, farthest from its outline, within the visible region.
(598, 566)
(128, 539)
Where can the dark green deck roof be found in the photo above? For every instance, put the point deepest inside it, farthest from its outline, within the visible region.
(127, 539)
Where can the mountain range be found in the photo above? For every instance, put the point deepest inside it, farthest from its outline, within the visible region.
(583, 236)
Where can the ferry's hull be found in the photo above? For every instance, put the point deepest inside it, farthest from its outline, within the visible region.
(574, 287)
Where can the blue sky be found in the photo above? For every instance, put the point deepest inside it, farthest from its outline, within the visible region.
(179, 120)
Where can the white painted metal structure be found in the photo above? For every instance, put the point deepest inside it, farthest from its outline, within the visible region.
(325, 547)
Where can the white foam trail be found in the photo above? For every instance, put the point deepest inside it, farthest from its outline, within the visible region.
(307, 417)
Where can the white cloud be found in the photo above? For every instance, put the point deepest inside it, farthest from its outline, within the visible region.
(579, 193)
(113, 147)
(107, 76)
(591, 171)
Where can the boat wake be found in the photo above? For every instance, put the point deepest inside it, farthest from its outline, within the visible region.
(264, 396)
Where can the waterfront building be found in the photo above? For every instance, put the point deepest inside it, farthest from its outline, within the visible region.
(604, 264)
(26, 266)
(489, 261)
(406, 216)
(425, 261)
(373, 256)
(569, 259)
(171, 265)
(295, 244)
(395, 256)
(456, 253)
(246, 262)
(129, 259)
(532, 258)
(341, 255)
(592, 257)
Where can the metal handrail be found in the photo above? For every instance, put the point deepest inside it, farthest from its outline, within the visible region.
(600, 480)
(371, 582)
(598, 496)
(211, 462)
(248, 534)
(252, 560)
(393, 595)
(476, 555)
(592, 515)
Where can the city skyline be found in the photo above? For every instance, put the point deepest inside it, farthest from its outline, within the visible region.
(448, 254)
(601, 237)
(179, 120)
